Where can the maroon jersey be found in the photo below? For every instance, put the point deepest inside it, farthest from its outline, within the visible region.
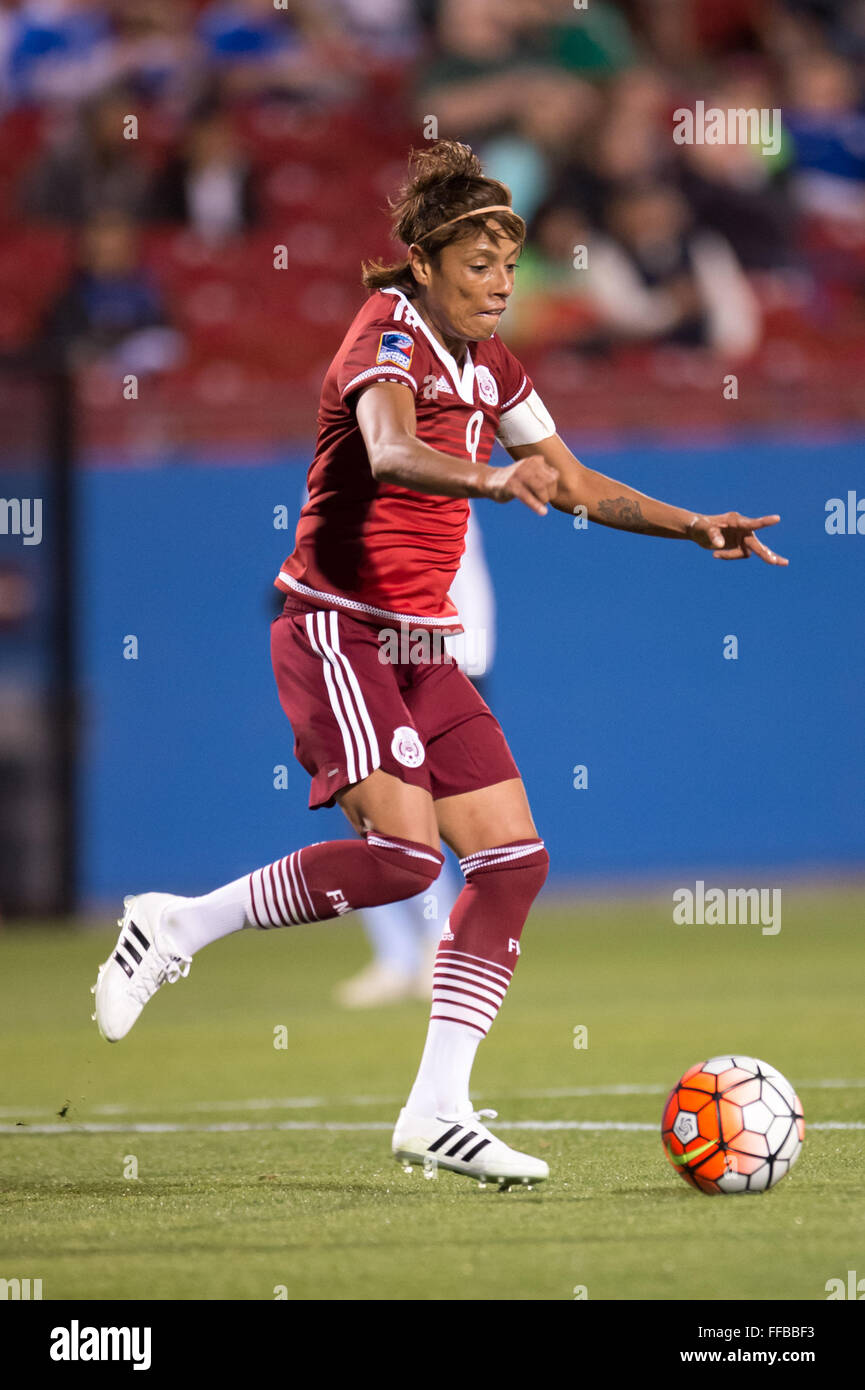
(376, 550)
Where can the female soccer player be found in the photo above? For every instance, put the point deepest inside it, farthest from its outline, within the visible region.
(384, 723)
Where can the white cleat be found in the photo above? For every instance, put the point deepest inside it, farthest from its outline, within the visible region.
(463, 1145)
(143, 959)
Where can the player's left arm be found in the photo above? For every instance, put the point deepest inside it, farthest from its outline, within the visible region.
(609, 503)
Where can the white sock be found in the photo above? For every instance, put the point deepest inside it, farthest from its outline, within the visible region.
(442, 1084)
(195, 922)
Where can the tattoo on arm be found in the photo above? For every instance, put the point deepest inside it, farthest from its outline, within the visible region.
(623, 512)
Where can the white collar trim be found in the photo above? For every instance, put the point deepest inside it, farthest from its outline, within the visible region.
(463, 381)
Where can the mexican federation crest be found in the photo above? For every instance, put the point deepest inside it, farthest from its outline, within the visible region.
(407, 747)
(489, 392)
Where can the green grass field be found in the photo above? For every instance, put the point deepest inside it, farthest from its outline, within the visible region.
(298, 1190)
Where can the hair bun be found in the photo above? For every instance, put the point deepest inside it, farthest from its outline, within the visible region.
(446, 159)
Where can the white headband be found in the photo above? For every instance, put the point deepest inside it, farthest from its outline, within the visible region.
(475, 212)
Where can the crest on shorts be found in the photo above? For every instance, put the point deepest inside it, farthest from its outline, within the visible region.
(489, 392)
(407, 747)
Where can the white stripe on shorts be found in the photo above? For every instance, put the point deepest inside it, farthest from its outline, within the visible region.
(358, 694)
(334, 699)
(344, 692)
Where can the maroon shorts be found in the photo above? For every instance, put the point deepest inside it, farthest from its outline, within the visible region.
(351, 712)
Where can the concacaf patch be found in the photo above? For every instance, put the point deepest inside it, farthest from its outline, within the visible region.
(396, 348)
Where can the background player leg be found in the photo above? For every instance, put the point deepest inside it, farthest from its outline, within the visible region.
(404, 937)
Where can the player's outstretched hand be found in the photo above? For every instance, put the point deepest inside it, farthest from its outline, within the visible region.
(731, 537)
(531, 480)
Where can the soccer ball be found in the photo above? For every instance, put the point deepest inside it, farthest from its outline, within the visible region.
(732, 1124)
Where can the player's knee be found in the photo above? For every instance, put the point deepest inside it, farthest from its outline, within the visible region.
(531, 875)
(513, 874)
(405, 867)
(543, 868)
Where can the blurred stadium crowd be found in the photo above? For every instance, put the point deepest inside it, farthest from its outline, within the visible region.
(154, 152)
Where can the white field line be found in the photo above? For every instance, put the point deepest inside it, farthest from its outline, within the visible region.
(338, 1127)
(214, 1107)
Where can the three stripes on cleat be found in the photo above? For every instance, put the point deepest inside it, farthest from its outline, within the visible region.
(466, 1135)
(127, 946)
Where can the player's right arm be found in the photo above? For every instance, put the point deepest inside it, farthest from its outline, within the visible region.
(386, 418)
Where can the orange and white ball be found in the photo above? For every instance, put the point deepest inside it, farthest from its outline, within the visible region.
(732, 1124)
